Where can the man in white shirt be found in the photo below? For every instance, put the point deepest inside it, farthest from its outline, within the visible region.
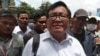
(56, 41)
(22, 27)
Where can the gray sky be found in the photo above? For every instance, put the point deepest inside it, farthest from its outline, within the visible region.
(89, 5)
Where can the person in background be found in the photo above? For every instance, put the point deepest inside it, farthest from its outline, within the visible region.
(22, 28)
(92, 25)
(10, 43)
(56, 41)
(77, 30)
(40, 22)
(39, 26)
(97, 33)
(31, 22)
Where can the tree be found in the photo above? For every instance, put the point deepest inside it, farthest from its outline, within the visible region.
(31, 10)
(44, 7)
(25, 7)
(11, 2)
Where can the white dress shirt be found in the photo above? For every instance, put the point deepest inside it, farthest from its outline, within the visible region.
(50, 47)
(18, 31)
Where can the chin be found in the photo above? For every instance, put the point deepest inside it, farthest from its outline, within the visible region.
(58, 30)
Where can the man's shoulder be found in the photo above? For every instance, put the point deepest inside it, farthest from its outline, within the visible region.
(42, 36)
(28, 29)
(16, 29)
(18, 40)
(73, 39)
(89, 35)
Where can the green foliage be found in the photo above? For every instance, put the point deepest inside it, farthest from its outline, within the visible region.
(31, 10)
(44, 7)
(11, 2)
(25, 7)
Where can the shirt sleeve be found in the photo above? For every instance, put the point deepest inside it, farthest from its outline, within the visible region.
(28, 48)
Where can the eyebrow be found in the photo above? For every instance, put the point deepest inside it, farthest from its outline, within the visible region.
(58, 13)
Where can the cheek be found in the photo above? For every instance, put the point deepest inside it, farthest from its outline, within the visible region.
(38, 24)
(48, 23)
(2, 27)
(20, 20)
(75, 22)
(66, 24)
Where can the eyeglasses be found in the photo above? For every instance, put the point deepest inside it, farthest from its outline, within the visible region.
(58, 16)
(7, 23)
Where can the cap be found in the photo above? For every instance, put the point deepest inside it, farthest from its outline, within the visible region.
(92, 20)
(81, 12)
(6, 13)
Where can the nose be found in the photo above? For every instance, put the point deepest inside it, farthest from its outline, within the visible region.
(44, 24)
(58, 18)
(25, 20)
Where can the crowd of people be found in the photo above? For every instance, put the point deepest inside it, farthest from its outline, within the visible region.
(59, 34)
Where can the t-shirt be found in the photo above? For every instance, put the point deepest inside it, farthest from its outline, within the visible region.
(80, 37)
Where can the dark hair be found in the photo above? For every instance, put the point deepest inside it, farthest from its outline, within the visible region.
(57, 4)
(22, 12)
(42, 14)
(92, 20)
(36, 16)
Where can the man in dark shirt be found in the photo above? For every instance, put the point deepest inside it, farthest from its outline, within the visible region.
(77, 30)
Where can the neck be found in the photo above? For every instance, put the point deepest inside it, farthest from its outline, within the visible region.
(23, 28)
(76, 30)
(38, 30)
(59, 36)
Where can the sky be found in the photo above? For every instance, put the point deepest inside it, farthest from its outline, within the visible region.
(88, 5)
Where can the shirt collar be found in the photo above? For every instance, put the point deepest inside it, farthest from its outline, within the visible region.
(48, 36)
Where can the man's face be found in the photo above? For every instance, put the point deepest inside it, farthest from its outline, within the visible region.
(7, 25)
(79, 22)
(23, 19)
(58, 20)
(41, 23)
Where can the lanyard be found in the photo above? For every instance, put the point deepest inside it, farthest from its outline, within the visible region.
(9, 45)
(2, 49)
